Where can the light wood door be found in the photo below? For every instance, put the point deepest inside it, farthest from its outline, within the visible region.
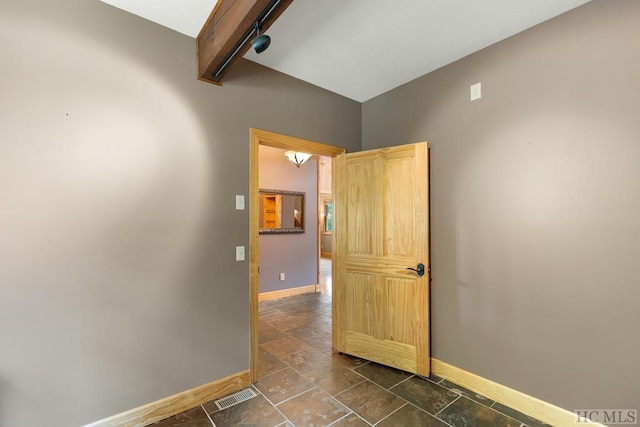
(381, 309)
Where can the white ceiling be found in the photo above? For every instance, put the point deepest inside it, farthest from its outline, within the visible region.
(362, 48)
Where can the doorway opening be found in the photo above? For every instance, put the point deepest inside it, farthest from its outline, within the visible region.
(325, 224)
(270, 139)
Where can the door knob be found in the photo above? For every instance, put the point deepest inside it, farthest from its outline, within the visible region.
(419, 270)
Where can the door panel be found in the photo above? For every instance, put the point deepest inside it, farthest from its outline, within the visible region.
(363, 188)
(381, 308)
(399, 209)
(365, 297)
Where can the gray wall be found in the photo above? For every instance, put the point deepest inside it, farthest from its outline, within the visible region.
(118, 171)
(296, 255)
(535, 205)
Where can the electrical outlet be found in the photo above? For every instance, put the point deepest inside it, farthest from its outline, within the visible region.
(281, 277)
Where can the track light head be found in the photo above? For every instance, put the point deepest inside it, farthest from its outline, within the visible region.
(261, 42)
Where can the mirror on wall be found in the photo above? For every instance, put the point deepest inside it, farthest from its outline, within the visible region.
(281, 211)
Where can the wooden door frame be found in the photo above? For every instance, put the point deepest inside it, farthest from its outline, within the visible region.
(257, 138)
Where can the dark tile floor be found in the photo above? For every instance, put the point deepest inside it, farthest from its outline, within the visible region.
(303, 382)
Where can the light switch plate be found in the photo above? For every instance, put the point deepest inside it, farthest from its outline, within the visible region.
(239, 253)
(476, 91)
(239, 202)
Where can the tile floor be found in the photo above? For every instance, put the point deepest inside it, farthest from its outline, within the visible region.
(303, 382)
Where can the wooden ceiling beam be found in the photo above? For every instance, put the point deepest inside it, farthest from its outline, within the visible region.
(227, 25)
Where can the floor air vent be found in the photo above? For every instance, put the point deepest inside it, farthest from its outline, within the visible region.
(235, 398)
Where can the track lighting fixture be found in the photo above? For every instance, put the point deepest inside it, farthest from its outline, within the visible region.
(261, 42)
